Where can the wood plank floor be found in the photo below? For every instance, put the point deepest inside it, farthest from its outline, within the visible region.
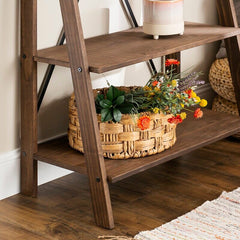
(141, 202)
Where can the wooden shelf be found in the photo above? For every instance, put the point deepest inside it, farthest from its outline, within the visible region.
(109, 52)
(191, 134)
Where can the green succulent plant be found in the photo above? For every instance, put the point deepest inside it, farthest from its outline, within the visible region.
(114, 104)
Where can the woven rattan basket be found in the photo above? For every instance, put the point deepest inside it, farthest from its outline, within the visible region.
(221, 80)
(124, 139)
(222, 105)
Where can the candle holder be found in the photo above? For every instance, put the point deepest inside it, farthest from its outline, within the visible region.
(163, 18)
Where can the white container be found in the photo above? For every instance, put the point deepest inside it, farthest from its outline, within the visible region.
(163, 17)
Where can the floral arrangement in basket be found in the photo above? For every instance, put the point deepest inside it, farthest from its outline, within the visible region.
(165, 93)
(139, 121)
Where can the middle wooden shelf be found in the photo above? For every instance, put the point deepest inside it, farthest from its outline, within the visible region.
(191, 134)
(112, 51)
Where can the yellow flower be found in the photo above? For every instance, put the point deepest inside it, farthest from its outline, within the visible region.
(197, 99)
(182, 105)
(147, 88)
(156, 89)
(156, 110)
(183, 115)
(178, 95)
(194, 95)
(151, 94)
(174, 83)
(203, 103)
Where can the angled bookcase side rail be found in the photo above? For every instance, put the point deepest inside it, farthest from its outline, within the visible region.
(228, 18)
(87, 114)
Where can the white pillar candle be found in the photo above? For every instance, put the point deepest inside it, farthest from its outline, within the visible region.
(163, 17)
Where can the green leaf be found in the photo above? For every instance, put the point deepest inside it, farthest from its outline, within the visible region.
(105, 103)
(110, 93)
(114, 93)
(129, 98)
(120, 100)
(97, 102)
(106, 115)
(100, 97)
(125, 108)
(117, 115)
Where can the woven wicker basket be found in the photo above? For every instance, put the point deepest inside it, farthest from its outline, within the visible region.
(222, 105)
(221, 80)
(124, 139)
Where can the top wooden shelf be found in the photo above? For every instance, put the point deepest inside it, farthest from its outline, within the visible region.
(112, 51)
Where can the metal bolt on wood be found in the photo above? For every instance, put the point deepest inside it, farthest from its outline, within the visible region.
(24, 154)
(98, 179)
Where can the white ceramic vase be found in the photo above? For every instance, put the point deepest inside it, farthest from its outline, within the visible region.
(163, 18)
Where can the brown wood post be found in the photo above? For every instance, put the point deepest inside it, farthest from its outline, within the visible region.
(87, 114)
(28, 97)
(228, 18)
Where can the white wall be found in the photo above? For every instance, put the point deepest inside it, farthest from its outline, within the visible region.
(99, 17)
(9, 72)
(204, 12)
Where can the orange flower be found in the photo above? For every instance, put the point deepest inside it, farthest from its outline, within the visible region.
(189, 92)
(154, 83)
(198, 113)
(170, 62)
(175, 120)
(144, 122)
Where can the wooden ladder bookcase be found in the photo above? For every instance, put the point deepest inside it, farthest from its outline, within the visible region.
(101, 54)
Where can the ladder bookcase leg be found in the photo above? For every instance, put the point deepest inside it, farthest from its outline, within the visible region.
(87, 114)
(228, 18)
(28, 97)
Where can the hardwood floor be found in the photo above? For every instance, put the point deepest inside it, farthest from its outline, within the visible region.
(141, 202)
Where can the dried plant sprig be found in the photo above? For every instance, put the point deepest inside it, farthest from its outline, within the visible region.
(189, 81)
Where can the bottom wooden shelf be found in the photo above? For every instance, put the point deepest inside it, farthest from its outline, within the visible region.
(191, 134)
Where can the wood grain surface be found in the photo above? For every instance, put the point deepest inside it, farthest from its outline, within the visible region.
(28, 97)
(141, 202)
(101, 202)
(191, 134)
(109, 52)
